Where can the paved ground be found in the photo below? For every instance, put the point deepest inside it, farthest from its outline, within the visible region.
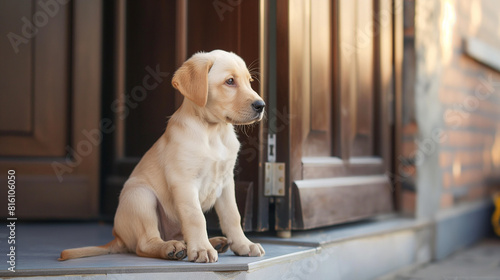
(480, 262)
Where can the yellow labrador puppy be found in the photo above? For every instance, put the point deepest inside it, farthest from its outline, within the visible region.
(189, 170)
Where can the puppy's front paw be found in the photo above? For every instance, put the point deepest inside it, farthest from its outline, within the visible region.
(248, 249)
(202, 254)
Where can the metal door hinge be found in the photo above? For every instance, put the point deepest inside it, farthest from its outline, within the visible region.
(274, 179)
(271, 147)
(274, 171)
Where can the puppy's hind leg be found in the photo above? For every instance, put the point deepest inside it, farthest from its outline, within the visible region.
(136, 219)
(219, 243)
(156, 248)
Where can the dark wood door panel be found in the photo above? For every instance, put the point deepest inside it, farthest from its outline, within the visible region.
(333, 92)
(310, 77)
(324, 202)
(318, 125)
(54, 87)
(45, 197)
(150, 60)
(362, 106)
(327, 167)
(35, 91)
(321, 69)
(16, 61)
(211, 28)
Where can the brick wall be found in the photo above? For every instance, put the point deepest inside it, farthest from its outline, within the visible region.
(466, 124)
(469, 94)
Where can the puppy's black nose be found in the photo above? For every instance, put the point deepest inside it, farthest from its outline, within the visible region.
(258, 106)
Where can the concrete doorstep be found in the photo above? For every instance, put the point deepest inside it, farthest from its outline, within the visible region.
(362, 250)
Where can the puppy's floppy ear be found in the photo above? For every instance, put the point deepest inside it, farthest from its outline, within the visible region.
(191, 79)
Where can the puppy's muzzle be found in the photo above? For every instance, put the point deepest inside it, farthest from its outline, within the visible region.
(258, 106)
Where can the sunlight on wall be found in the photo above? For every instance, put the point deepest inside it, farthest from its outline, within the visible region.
(475, 16)
(457, 168)
(498, 19)
(448, 19)
(495, 149)
(487, 161)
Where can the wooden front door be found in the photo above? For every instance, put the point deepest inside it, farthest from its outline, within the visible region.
(49, 107)
(335, 80)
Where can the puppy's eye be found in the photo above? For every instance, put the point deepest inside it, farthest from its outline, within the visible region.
(230, 82)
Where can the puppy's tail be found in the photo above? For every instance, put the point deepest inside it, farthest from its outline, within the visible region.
(113, 247)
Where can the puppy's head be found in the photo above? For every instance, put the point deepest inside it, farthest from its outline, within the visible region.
(218, 83)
